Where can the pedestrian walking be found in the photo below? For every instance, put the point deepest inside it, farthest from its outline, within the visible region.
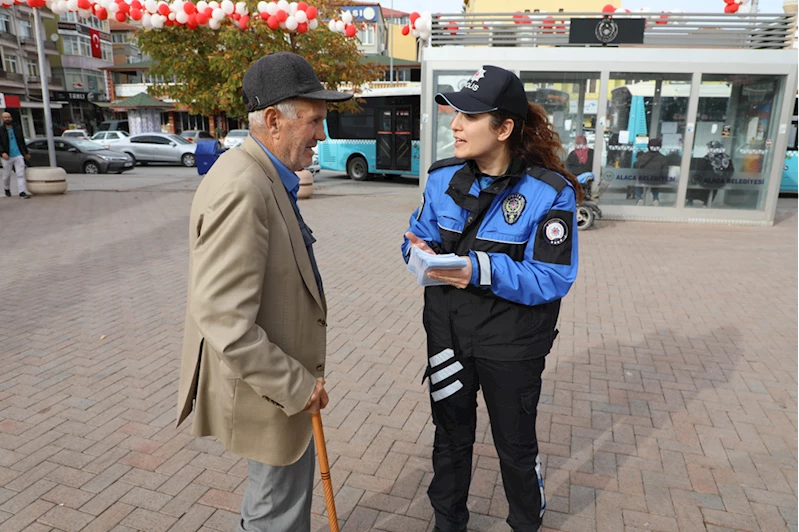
(13, 154)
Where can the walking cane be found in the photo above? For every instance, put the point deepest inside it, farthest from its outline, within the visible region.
(324, 468)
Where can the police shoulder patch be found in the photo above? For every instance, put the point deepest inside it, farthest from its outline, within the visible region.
(512, 207)
(556, 231)
(555, 238)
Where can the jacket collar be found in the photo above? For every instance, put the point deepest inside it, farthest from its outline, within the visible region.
(462, 180)
(253, 148)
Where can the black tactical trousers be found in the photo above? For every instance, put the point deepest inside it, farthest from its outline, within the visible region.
(511, 390)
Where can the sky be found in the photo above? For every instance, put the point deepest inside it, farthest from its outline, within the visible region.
(689, 6)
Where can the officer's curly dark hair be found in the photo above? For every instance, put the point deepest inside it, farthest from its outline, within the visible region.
(535, 142)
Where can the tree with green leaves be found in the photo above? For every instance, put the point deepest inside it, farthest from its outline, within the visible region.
(203, 68)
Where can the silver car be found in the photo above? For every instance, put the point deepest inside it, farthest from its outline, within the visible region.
(235, 137)
(108, 138)
(158, 148)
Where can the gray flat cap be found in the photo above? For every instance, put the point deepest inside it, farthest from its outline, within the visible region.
(281, 76)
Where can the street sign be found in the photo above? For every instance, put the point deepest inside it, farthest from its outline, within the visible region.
(606, 31)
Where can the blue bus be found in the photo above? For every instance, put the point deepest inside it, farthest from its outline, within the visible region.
(381, 138)
(790, 170)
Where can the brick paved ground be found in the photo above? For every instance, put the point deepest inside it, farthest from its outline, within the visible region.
(669, 401)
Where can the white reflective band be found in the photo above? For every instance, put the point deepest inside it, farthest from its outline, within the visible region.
(445, 392)
(443, 356)
(540, 486)
(442, 374)
(484, 263)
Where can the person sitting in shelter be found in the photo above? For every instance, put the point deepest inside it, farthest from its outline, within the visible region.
(581, 159)
(711, 173)
(656, 165)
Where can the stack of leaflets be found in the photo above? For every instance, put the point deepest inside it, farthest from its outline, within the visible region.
(421, 262)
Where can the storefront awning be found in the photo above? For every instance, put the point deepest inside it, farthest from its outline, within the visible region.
(39, 105)
(140, 101)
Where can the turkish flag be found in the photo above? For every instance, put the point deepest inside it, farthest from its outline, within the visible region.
(96, 50)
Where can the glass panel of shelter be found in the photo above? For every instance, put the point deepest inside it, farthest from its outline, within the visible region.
(736, 125)
(570, 100)
(646, 119)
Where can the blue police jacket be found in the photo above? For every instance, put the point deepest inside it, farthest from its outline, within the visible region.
(524, 249)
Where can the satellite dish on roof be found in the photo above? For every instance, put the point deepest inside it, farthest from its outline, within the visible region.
(54, 37)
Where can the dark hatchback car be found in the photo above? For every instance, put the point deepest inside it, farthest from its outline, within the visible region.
(79, 156)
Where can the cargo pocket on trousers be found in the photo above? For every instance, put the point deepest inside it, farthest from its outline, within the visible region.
(527, 414)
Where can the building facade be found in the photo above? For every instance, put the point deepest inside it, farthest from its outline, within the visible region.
(80, 65)
(20, 79)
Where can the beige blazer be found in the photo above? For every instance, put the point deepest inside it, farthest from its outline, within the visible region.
(255, 334)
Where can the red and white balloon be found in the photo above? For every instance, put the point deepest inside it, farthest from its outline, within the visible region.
(737, 6)
(343, 25)
(154, 14)
(421, 26)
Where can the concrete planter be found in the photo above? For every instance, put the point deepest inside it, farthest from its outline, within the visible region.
(306, 184)
(46, 180)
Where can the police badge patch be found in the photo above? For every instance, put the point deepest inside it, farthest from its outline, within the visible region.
(554, 240)
(512, 207)
(556, 231)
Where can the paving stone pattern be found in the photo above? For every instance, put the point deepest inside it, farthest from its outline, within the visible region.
(669, 400)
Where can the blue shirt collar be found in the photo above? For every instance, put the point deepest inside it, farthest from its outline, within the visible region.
(290, 180)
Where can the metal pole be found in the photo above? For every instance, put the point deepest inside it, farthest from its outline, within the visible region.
(391, 47)
(48, 119)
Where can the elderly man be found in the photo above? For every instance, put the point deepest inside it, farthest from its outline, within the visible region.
(13, 154)
(254, 341)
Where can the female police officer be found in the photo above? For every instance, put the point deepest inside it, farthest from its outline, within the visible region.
(507, 204)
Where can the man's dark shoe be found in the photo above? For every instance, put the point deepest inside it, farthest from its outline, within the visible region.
(24, 195)
(8, 193)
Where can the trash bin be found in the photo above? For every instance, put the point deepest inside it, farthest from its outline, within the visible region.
(206, 154)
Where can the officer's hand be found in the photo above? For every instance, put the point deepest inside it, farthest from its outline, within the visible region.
(319, 399)
(5, 156)
(457, 278)
(419, 243)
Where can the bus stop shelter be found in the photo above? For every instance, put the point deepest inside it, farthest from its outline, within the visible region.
(715, 92)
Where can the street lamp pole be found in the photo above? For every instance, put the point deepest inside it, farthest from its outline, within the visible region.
(48, 118)
(391, 47)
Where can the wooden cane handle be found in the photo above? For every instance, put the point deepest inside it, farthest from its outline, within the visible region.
(324, 469)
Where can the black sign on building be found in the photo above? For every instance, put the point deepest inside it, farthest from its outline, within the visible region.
(607, 31)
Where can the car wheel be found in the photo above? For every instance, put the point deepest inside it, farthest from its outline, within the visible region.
(132, 157)
(188, 160)
(357, 169)
(91, 168)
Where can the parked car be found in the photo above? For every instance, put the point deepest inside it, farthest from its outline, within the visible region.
(108, 138)
(158, 148)
(235, 137)
(80, 156)
(315, 167)
(76, 134)
(193, 135)
(114, 125)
